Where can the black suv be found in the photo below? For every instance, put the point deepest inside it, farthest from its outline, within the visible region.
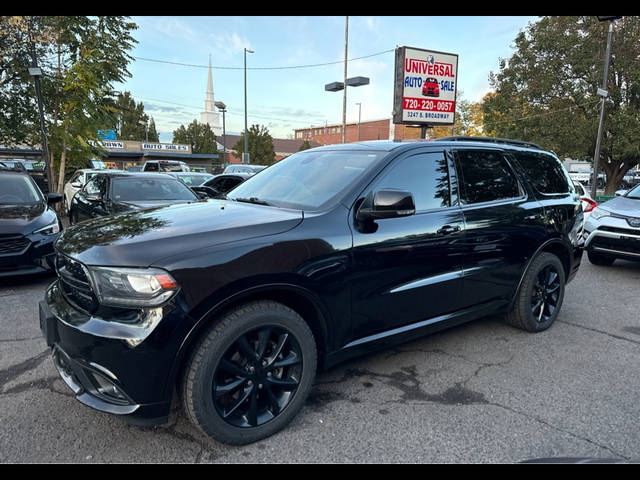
(327, 254)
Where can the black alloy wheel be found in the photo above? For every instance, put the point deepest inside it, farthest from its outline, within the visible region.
(546, 293)
(540, 295)
(257, 376)
(250, 373)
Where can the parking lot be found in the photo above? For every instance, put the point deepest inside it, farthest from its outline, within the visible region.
(482, 392)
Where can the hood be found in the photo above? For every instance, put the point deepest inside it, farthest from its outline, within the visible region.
(144, 237)
(24, 219)
(629, 207)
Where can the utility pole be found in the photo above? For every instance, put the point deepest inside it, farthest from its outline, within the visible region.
(36, 73)
(245, 156)
(344, 98)
(604, 94)
(359, 112)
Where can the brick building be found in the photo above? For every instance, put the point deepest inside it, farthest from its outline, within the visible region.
(283, 147)
(371, 130)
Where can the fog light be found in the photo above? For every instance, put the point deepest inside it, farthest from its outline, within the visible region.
(108, 389)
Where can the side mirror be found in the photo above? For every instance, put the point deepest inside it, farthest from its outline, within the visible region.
(386, 204)
(53, 198)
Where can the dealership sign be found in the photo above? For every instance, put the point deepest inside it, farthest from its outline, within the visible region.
(165, 147)
(425, 87)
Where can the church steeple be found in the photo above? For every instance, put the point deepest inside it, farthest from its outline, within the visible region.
(210, 114)
(208, 103)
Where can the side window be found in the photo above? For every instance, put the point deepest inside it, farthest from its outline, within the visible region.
(98, 184)
(151, 167)
(76, 178)
(425, 175)
(485, 177)
(544, 172)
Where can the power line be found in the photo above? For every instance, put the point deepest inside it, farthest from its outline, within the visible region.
(262, 68)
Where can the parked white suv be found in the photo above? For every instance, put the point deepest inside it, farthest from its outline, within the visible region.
(79, 179)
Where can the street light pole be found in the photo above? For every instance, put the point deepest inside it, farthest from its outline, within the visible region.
(223, 108)
(344, 98)
(604, 93)
(37, 73)
(359, 111)
(245, 156)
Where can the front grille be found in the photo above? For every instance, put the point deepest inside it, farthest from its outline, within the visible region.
(76, 285)
(619, 245)
(13, 244)
(622, 231)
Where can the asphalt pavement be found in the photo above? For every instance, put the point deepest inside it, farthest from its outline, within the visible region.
(483, 392)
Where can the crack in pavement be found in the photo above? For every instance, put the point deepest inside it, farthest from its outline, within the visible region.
(4, 340)
(15, 371)
(40, 384)
(617, 337)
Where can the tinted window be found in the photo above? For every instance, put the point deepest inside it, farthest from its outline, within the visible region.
(426, 176)
(544, 172)
(485, 177)
(142, 189)
(151, 167)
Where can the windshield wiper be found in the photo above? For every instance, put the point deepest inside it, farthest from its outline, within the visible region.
(255, 200)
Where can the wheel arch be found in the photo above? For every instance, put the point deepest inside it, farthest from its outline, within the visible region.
(300, 300)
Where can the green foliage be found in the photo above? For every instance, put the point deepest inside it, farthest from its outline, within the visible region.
(546, 91)
(261, 151)
(199, 135)
(305, 146)
(81, 58)
(129, 119)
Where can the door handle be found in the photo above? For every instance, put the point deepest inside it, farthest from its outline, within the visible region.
(448, 229)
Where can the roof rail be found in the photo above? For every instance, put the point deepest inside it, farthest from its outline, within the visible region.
(506, 141)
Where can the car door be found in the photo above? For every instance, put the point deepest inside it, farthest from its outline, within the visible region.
(409, 269)
(91, 201)
(504, 225)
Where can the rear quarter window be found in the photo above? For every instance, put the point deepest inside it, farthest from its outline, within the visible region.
(545, 172)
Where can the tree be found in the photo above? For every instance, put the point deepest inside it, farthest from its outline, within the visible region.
(81, 58)
(130, 120)
(260, 142)
(305, 146)
(468, 120)
(199, 135)
(546, 91)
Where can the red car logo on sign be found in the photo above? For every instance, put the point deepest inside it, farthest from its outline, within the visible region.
(430, 87)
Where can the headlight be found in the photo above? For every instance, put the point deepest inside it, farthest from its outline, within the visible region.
(132, 287)
(50, 229)
(597, 213)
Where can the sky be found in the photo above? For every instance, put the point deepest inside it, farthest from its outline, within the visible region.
(290, 98)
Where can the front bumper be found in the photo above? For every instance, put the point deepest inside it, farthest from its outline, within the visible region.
(612, 236)
(106, 365)
(37, 257)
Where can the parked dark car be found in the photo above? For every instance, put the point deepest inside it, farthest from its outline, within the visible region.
(328, 254)
(28, 226)
(35, 168)
(244, 168)
(191, 179)
(220, 185)
(114, 192)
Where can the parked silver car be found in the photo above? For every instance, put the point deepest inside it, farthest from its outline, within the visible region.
(613, 229)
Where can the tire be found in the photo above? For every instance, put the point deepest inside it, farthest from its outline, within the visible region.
(600, 259)
(540, 296)
(237, 401)
(73, 217)
(65, 206)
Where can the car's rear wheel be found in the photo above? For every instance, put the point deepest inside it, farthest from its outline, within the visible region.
(600, 259)
(250, 374)
(540, 296)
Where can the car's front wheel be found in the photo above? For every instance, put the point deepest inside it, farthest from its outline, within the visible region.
(540, 296)
(250, 374)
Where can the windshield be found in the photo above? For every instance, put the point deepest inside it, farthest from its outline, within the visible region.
(133, 189)
(634, 192)
(18, 190)
(307, 180)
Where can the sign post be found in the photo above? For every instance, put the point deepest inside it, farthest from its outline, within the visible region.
(425, 87)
